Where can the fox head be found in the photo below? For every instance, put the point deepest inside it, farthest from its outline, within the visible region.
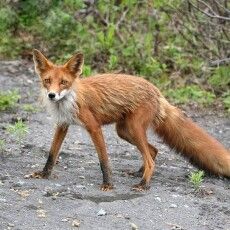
(57, 80)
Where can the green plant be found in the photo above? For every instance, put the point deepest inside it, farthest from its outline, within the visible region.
(58, 23)
(87, 71)
(191, 93)
(220, 77)
(74, 5)
(29, 108)
(152, 67)
(196, 178)
(7, 18)
(8, 99)
(107, 38)
(2, 145)
(19, 129)
(226, 100)
(113, 61)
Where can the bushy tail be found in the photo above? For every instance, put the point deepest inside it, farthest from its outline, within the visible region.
(183, 135)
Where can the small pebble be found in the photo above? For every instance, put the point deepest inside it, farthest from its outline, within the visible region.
(173, 206)
(34, 166)
(120, 216)
(134, 226)
(19, 184)
(175, 195)
(80, 186)
(58, 185)
(158, 199)
(75, 223)
(101, 212)
(64, 220)
(27, 176)
(41, 213)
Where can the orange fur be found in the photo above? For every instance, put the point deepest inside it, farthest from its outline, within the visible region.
(133, 104)
(182, 134)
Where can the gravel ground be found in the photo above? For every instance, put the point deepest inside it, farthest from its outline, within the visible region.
(71, 198)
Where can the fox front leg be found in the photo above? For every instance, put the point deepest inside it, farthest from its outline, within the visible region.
(59, 136)
(94, 129)
(98, 141)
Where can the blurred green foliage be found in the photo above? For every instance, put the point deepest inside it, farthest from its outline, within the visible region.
(226, 100)
(192, 93)
(18, 130)
(156, 39)
(8, 99)
(220, 77)
(29, 108)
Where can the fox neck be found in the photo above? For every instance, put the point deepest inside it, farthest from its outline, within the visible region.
(64, 111)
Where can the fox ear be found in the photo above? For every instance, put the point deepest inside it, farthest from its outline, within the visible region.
(75, 64)
(40, 61)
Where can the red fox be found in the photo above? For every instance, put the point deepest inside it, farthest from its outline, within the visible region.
(134, 104)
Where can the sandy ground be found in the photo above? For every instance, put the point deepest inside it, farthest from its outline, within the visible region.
(71, 198)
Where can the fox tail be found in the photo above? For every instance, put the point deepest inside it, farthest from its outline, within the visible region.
(183, 135)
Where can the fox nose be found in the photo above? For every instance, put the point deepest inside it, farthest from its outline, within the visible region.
(51, 95)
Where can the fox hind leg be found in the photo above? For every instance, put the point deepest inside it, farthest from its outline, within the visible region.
(153, 151)
(123, 133)
(133, 129)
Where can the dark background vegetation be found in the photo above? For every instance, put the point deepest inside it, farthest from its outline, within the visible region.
(181, 46)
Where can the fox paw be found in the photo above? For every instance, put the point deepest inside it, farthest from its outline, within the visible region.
(140, 187)
(37, 175)
(106, 187)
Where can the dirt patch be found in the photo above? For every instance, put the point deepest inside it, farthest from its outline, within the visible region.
(71, 197)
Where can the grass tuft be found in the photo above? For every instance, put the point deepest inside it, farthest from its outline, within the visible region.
(196, 178)
(8, 99)
(18, 130)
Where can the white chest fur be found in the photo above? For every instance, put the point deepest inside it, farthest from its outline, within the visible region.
(64, 111)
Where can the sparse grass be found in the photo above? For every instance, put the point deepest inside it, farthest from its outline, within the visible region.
(226, 100)
(220, 77)
(2, 145)
(196, 178)
(8, 99)
(29, 108)
(190, 94)
(18, 130)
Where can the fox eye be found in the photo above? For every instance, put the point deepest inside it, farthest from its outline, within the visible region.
(47, 80)
(64, 82)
